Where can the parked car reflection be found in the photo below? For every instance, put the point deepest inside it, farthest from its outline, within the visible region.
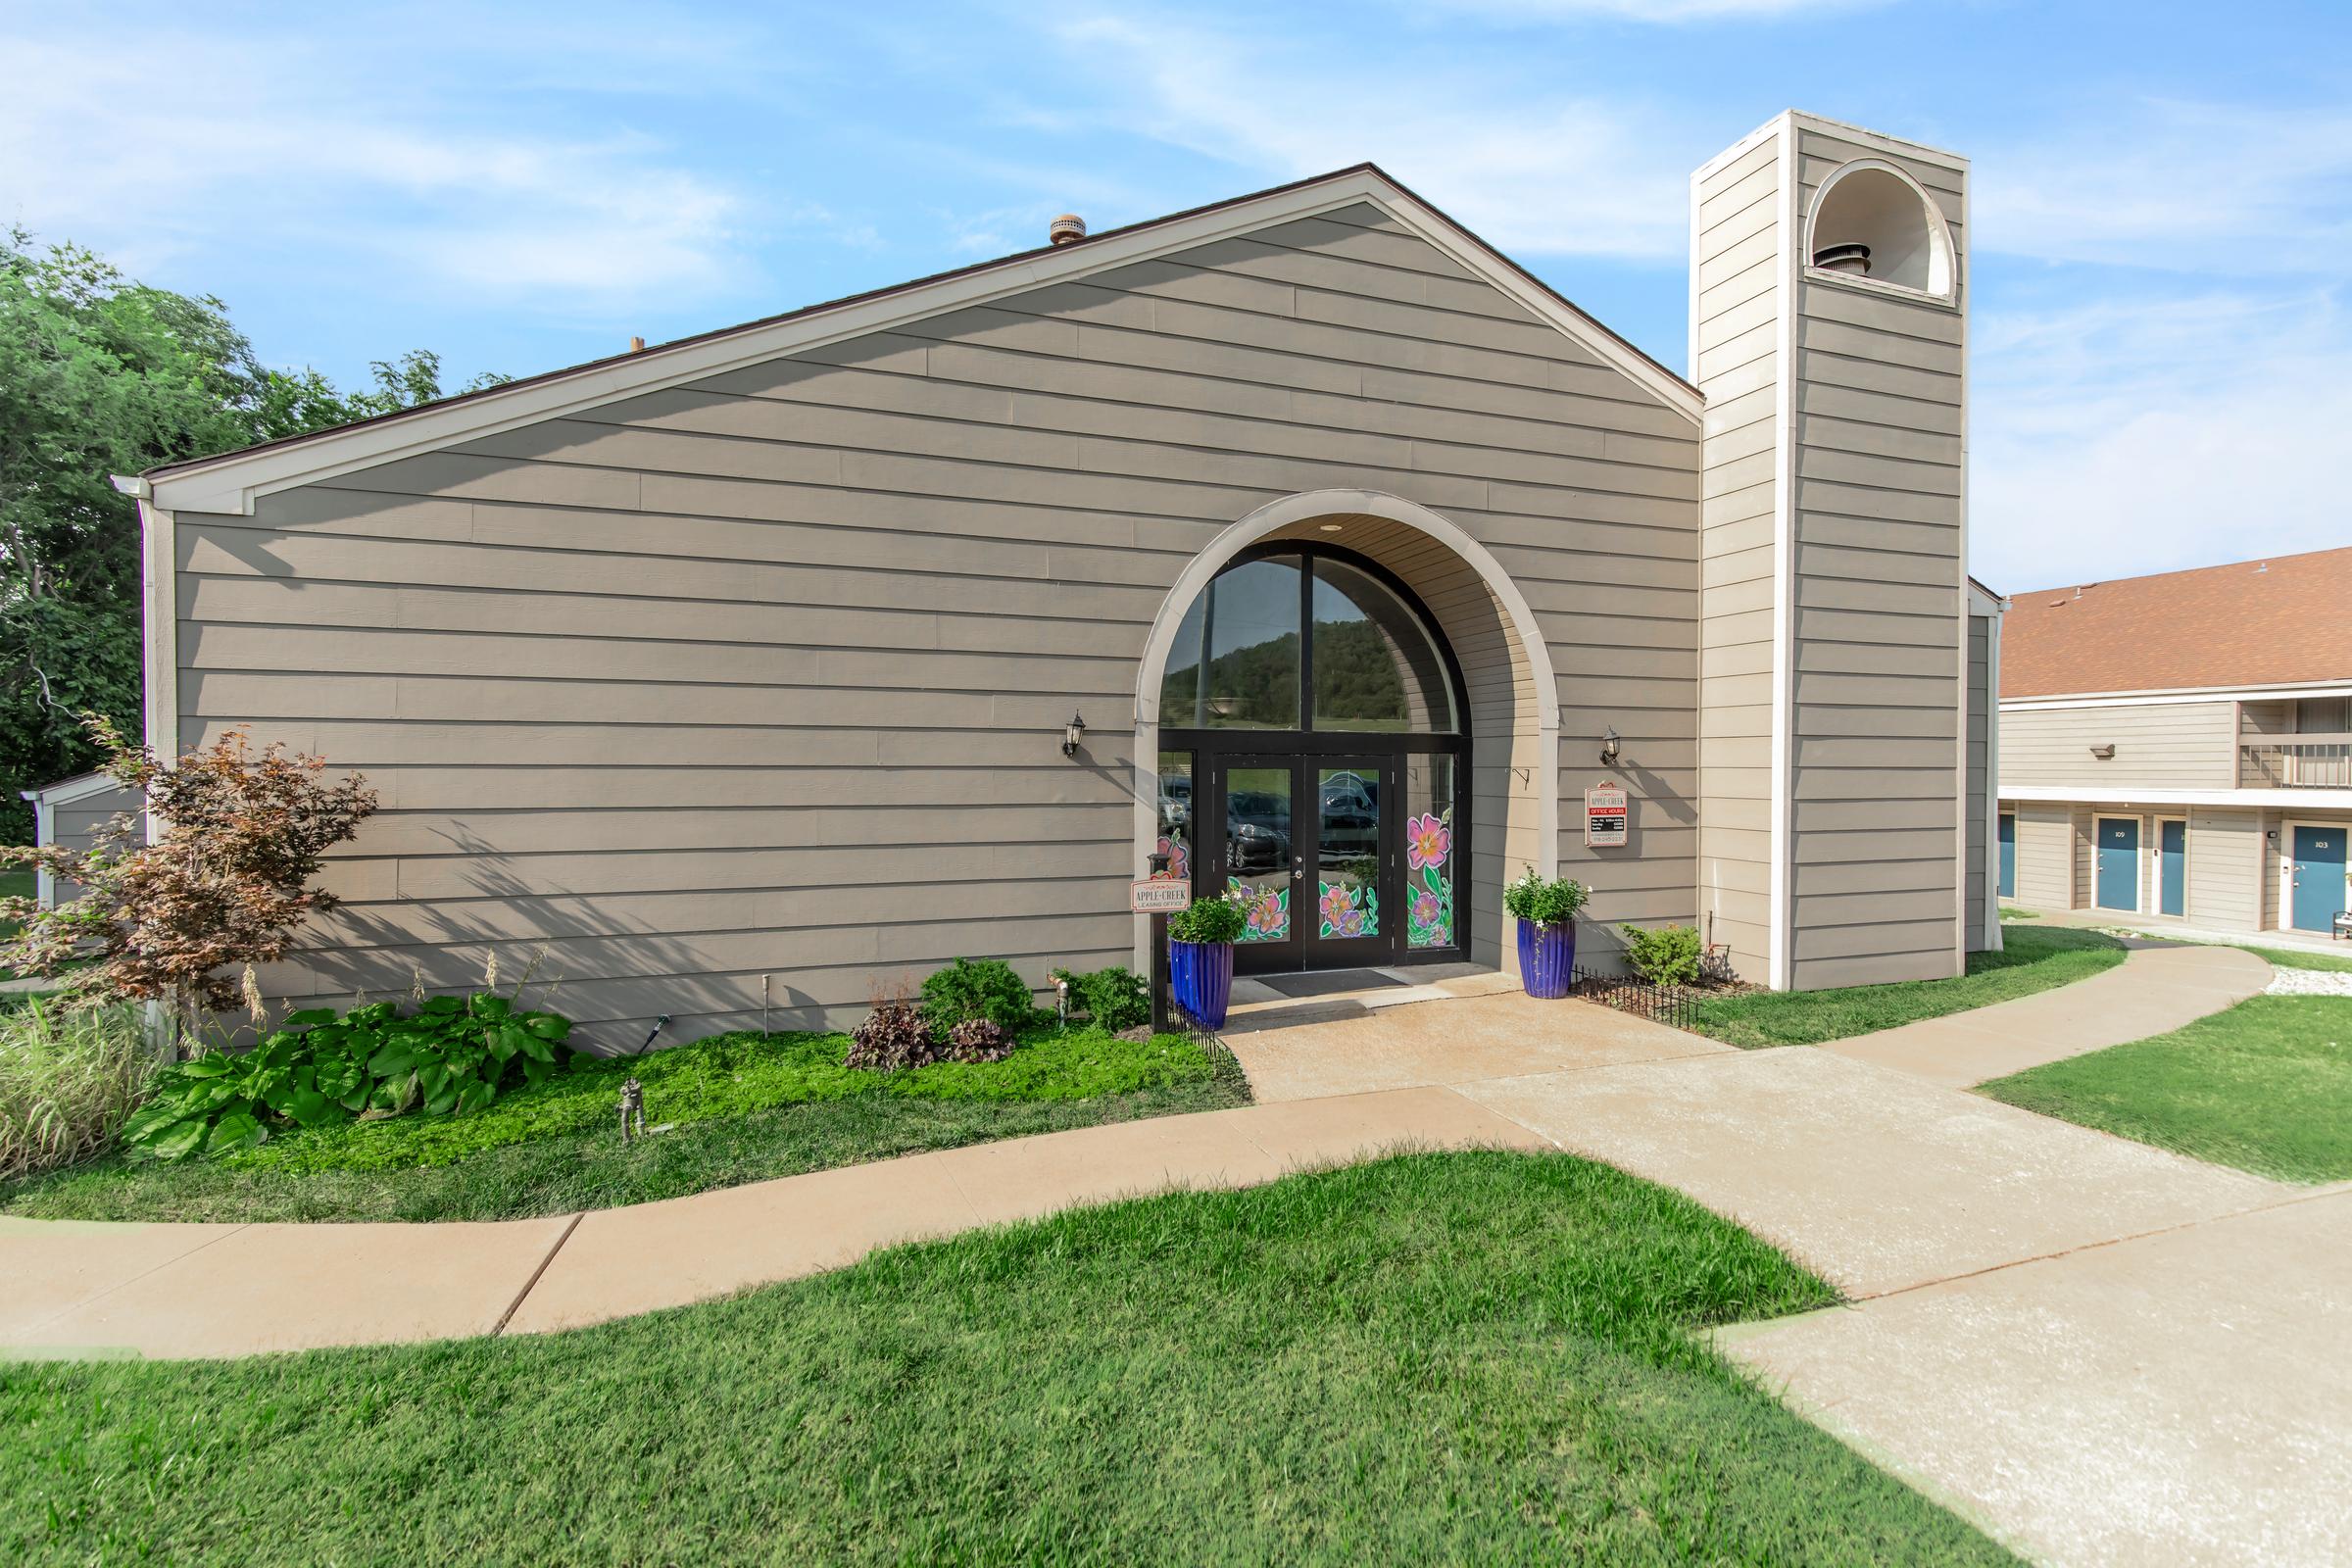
(1257, 830)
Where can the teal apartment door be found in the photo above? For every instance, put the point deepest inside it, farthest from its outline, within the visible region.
(2172, 867)
(2008, 855)
(2316, 878)
(2118, 862)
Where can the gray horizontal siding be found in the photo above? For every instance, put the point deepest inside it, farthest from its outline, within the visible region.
(2157, 746)
(766, 676)
(1881, 634)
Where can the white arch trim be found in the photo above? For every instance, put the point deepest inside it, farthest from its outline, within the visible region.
(1939, 235)
(1270, 520)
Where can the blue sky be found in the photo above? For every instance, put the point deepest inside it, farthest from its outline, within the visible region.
(2163, 193)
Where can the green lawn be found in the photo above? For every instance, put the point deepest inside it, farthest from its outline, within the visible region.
(2032, 958)
(1465, 1358)
(2292, 958)
(746, 1108)
(2265, 1086)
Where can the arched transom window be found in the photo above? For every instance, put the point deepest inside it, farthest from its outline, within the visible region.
(1306, 640)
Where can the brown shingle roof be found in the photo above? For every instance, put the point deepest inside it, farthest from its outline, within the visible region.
(2268, 622)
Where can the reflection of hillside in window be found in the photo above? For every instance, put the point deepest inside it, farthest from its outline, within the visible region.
(1376, 665)
(1249, 620)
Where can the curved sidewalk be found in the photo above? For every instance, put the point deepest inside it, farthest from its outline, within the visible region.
(2157, 989)
(1471, 1071)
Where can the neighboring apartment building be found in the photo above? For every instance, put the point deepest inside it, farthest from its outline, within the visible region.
(1304, 536)
(2179, 745)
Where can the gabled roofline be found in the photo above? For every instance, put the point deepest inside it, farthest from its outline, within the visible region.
(233, 481)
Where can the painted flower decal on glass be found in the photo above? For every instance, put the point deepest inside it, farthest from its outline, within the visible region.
(1269, 915)
(1179, 863)
(1429, 886)
(1426, 841)
(1349, 910)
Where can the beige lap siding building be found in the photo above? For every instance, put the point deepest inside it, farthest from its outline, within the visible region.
(752, 655)
(2179, 747)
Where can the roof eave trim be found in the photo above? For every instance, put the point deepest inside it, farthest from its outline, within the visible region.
(235, 481)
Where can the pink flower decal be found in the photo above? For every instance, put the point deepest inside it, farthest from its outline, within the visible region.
(1427, 910)
(1426, 841)
(1267, 916)
(1178, 870)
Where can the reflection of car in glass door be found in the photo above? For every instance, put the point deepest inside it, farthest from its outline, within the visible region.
(1257, 830)
(1175, 803)
(1350, 826)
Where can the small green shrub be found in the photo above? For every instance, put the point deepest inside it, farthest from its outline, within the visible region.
(977, 988)
(1545, 901)
(1212, 919)
(1115, 999)
(1665, 957)
(451, 1055)
(69, 1078)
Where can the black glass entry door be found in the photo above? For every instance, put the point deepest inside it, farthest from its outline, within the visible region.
(1313, 839)
(1314, 752)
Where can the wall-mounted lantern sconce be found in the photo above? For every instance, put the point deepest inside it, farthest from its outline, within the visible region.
(1608, 747)
(1071, 734)
(2105, 754)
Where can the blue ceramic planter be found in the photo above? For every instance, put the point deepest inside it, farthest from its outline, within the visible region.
(1201, 974)
(1548, 958)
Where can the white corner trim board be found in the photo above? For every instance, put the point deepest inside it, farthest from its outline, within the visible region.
(233, 482)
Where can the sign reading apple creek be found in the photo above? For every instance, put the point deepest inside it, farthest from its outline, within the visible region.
(1606, 812)
(1160, 895)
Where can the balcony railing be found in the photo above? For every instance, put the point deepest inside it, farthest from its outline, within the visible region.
(2296, 762)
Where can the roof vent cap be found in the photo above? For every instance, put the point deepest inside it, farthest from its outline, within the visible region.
(1067, 230)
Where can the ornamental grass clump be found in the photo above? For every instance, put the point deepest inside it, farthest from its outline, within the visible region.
(69, 1078)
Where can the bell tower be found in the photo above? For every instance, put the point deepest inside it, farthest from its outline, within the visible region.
(1829, 332)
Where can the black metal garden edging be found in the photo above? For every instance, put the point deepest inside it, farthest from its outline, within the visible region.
(1667, 1004)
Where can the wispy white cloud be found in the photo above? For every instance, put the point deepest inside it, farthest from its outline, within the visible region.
(392, 191)
(2180, 186)
(2144, 434)
(1530, 166)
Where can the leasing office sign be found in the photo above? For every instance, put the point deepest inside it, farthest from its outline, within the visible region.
(1606, 813)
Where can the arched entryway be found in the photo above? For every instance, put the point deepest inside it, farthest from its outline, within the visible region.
(1343, 708)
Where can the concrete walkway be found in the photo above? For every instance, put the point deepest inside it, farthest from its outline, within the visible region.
(2157, 989)
(2101, 1352)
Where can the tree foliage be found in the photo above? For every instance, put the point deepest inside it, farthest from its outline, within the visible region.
(100, 375)
(240, 834)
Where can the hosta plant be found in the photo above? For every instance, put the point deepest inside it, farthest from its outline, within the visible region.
(452, 1054)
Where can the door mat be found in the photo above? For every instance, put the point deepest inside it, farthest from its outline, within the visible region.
(1330, 981)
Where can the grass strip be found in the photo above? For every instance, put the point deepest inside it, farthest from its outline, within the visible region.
(2265, 1086)
(2032, 958)
(1460, 1358)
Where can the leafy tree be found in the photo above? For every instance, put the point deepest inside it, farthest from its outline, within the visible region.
(100, 375)
(226, 883)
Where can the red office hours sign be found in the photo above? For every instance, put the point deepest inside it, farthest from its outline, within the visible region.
(1605, 816)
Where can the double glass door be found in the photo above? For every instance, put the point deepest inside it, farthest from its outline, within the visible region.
(1312, 839)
